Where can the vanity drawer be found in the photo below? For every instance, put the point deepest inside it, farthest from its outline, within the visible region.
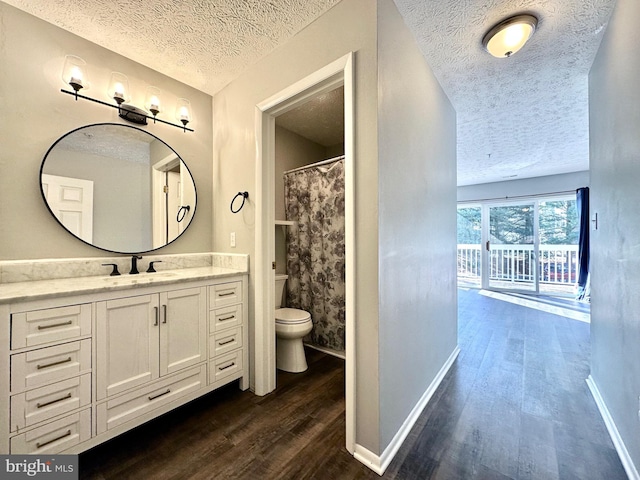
(46, 402)
(225, 366)
(47, 365)
(227, 317)
(54, 437)
(51, 325)
(225, 341)
(119, 410)
(225, 294)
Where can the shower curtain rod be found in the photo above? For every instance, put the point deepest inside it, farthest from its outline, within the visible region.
(317, 164)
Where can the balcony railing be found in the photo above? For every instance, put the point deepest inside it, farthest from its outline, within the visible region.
(558, 264)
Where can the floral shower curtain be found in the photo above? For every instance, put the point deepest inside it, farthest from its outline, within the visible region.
(314, 200)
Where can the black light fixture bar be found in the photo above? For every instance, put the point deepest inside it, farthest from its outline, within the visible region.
(119, 108)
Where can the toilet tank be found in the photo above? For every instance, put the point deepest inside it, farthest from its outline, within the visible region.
(281, 280)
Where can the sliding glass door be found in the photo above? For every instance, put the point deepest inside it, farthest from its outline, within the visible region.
(558, 257)
(470, 245)
(528, 246)
(511, 249)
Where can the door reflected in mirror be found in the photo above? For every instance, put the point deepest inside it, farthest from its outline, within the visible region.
(118, 188)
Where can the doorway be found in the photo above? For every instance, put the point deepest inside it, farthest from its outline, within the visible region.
(511, 248)
(338, 73)
(526, 246)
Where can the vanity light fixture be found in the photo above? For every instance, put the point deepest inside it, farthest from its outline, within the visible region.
(152, 101)
(119, 88)
(74, 74)
(510, 35)
(183, 111)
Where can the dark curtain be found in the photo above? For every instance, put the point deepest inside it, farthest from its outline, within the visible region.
(582, 205)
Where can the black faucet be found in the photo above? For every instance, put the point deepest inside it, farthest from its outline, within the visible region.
(134, 264)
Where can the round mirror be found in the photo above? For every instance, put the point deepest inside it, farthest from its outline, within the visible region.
(118, 188)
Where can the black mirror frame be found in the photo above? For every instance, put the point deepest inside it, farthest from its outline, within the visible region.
(44, 198)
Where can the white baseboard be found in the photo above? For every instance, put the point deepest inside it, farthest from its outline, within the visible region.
(623, 453)
(328, 351)
(380, 463)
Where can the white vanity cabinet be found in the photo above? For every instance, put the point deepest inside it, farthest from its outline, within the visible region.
(85, 367)
(226, 330)
(140, 338)
(49, 401)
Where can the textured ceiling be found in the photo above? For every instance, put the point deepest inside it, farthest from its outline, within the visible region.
(203, 43)
(519, 117)
(522, 116)
(320, 119)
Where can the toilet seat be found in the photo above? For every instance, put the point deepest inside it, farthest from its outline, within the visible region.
(292, 316)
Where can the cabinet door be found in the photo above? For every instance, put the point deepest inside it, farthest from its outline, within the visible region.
(127, 342)
(183, 329)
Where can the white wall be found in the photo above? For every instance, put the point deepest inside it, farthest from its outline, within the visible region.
(567, 182)
(35, 114)
(417, 221)
(615, 195)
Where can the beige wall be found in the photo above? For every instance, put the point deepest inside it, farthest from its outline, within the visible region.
(350, 26)
(35, 114)
(614, 104)
(417, 223)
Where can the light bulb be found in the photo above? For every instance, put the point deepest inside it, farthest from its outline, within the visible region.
(183, 111)
(74, 73)
(76, 76)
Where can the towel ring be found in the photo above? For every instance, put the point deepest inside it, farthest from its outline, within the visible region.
(244, 196)
(182, 212)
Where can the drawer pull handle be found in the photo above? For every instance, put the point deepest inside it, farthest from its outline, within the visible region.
(153, 397)
(66, 434)
(54, 325)
(228, 341)
(164, 310)
(155, 324)
(227, 318)
(226, 294)
(46, 404)
(227, 366)
(53, 364)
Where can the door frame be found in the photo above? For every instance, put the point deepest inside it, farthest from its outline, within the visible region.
(336, 74)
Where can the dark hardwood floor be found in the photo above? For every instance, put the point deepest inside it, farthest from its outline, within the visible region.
(515, 405)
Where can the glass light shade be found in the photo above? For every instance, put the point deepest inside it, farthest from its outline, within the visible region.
(152, 100)
(183, 111)
(507, 37)
(74, 72)
(119, 88)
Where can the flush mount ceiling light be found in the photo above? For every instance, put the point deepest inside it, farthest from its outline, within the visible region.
(510, 35)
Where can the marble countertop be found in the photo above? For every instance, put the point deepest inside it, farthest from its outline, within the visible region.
(42, 289)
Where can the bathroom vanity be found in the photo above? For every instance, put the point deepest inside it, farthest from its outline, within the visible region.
(85, 359)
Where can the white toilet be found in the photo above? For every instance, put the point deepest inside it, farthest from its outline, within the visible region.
(291, 325)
